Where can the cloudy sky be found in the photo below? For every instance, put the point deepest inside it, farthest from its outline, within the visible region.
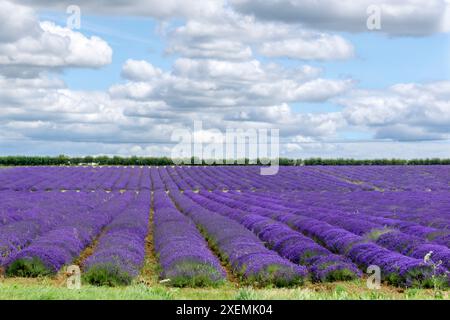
(135, 71)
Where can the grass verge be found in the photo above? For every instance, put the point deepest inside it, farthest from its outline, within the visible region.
(46, 288)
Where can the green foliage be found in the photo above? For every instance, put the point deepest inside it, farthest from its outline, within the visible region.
(307, 255)
(88, 160)
(63, 160)
(375, 234)
(107, 275)
(272, 276)
(340, 293)
(27, 268)
(340, 275)
(194, 274)
(246, 294)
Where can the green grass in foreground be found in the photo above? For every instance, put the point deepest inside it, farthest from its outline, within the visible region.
(44, 289)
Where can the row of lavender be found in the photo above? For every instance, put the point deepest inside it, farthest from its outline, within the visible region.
(182, 251)
(120, 251)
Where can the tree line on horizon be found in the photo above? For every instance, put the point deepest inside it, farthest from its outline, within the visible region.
(63, 160)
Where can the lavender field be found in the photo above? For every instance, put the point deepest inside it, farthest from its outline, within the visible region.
(205, 226)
